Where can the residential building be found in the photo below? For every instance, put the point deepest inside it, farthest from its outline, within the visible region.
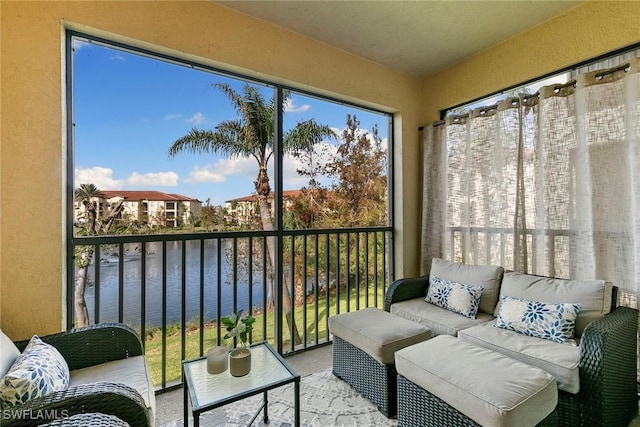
(151, 208)
(243, 210)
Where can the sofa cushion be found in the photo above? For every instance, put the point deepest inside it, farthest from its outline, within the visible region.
(487, 276)
(555, 322)
(438, 320)
(454, 296)
(37, 372)
(131, 371)
(594, 296)
(8, 353)
(559, 359)
(377, 332)
(484, 385)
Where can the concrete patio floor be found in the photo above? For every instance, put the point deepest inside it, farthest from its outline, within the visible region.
(169, 405)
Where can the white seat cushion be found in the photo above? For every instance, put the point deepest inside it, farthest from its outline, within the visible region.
(377, 332)
(132, 372)
(559, 359)
(486, 386)
(439, 320)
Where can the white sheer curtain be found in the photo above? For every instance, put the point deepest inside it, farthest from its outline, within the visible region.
(546, 184)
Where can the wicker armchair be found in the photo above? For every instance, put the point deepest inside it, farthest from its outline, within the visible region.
(608, 364)
(83, 348)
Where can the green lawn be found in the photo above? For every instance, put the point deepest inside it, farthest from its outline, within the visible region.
(153, 344)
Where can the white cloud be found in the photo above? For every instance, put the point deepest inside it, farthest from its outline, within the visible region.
(247, 168)
(160, 179)
(243, 166)
(291, 180)
(172, 116)
(223, 168)
(196, 119)
(205, 174)
(289, 107)
(103, 179)
(118, 57)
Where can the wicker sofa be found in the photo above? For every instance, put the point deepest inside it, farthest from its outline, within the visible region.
(108, 375)
(601, 388)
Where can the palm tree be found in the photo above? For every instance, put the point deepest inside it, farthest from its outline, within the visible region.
(251, 135)
(85, 193)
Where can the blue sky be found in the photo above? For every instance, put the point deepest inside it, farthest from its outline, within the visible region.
(129, 109)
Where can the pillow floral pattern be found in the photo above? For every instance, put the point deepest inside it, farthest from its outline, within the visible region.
(38, 371)
(555, 322)
(454, 296)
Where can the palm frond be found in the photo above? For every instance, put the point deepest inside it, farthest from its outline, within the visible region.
(236, 99)
(232, 139)
(258, 116)
(305, 135)
(87, 191)
(197, 141)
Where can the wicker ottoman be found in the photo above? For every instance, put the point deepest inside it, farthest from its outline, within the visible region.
(447, 381)
(364, 343)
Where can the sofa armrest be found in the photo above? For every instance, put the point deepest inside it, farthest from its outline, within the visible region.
(608, 369)
(95, 344)
(406, 289)
(108, 398)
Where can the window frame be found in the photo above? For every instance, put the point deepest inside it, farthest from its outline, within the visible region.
(279, 90)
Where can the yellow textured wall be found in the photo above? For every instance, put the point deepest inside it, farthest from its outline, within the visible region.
(584, 32)
(32, 172)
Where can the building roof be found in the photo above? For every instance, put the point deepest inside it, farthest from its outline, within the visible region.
(132, 196)
(286, 194)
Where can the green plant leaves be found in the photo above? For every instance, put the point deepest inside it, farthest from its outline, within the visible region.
(237, 326)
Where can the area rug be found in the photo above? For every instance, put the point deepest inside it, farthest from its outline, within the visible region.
(324, 401)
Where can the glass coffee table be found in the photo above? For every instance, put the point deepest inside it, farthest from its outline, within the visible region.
(207, 391)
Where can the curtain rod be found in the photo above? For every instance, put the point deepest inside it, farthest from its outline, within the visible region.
(624, 67)
(482, 110)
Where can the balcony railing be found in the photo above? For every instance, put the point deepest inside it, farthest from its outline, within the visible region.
(175, 288)
(495, 246)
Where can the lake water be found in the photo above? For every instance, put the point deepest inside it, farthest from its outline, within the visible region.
(109, 289)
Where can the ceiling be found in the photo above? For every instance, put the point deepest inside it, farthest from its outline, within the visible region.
(415, 37)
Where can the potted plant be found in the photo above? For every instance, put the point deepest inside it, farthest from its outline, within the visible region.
(239, 327)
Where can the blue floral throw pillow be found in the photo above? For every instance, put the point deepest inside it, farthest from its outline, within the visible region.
(555, 322)
(453, 296)
(38, 371)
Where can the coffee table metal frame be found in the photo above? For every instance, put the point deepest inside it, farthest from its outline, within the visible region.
(206, 391)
